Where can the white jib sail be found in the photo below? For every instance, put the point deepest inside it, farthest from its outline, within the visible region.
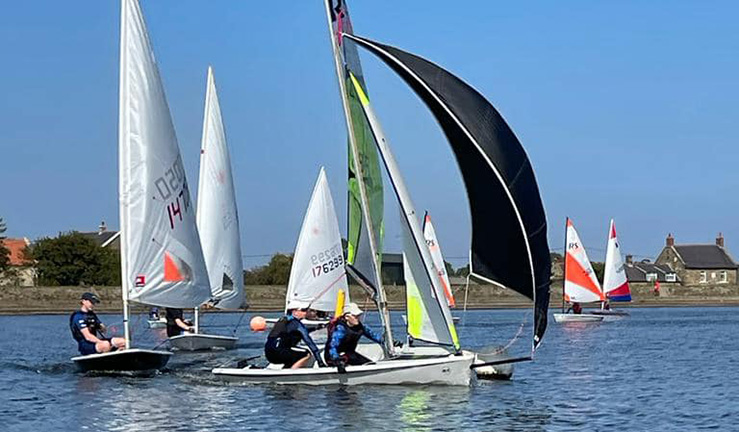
(217, 215)
(615, 275)
(317, 272)
(160, 248)
(429, 233)
(581, 283)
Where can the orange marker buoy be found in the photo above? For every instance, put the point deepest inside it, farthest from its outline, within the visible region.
(258, 324)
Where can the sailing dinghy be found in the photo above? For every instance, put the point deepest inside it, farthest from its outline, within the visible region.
(580, 282)
(615, 284)
(218, 225)
(161, 259)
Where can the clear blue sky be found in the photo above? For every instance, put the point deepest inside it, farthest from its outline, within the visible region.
(627, 109)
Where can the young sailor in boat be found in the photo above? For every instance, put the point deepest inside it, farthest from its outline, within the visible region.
(281, 347)
(343, 336)
(88, 331)
(575, 308)
(176, 324)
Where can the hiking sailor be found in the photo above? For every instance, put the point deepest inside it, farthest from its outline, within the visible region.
(88, 331)
(281, 347)
(343, 336)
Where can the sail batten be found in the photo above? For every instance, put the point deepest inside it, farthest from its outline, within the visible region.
(488, 154)
(217, 214)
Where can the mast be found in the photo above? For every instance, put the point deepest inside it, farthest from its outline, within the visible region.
(122, 129)
(564, 264)
(381, 299)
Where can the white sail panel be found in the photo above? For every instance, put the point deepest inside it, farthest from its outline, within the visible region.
(160, 248)
(581, 283)
(217, 215)
(429, 233)
(615, 283)
(317, 272)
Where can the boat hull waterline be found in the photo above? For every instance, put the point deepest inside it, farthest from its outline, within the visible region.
(577, 318)
(133, 359)
(447, 370)
(202, 342)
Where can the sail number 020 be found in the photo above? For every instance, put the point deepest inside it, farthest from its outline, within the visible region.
(172, 186)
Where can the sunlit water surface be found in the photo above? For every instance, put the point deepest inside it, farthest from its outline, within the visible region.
(660, 369)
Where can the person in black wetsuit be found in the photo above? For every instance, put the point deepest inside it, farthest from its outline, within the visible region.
(176, 324)
(343, 336)
(88, 331)
(282, 341)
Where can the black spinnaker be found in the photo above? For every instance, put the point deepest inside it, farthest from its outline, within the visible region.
(509, 228)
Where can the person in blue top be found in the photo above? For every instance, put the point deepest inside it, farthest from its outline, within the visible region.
(343, 336)
(88, 331)
(281, 347)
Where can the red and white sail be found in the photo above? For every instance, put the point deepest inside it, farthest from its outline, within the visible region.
(581, 284)
(433, 243)
(615, 283)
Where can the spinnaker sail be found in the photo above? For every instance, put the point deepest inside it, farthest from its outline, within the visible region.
(161, 257)
(509, 230)
(615, 283)
(317, 273)
(429, 233)
(217, 214)
(581, 284)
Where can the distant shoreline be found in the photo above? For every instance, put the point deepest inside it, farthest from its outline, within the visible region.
(65, 300)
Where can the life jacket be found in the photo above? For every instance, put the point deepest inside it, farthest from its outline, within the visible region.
(91, 321)
(350, 340)
(281, 333)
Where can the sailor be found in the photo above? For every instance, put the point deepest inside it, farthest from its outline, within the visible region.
(343, 336)
(88, 331)
(176, 324)
(281, 347)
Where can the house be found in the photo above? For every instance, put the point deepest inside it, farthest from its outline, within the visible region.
(648, 272)
(697, 264)
(21, 272)
(104, 238)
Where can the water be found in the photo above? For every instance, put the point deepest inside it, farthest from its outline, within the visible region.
(661, 369)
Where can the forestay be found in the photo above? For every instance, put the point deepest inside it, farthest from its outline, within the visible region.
(615, 284)
(429, 233)
(317, 272)
(217, 214)
(161, 256)
(581, 284)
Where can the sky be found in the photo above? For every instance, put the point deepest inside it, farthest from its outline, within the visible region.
(627, 110)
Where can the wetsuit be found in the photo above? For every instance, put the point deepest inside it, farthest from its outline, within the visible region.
(80, 320)
(282, 341)
(342, 343)
(172, 328)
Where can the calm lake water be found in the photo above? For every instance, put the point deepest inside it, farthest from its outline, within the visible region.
(660, 369)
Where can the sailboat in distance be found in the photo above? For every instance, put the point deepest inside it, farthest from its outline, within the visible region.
(615, 283)
(429, 233)
(580, 282)
(161, 258)
(218, 225)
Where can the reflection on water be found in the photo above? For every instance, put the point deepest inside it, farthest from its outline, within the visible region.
(414, 411)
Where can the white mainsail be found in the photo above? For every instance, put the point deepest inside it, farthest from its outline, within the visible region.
(317, 272)
(615, 283)
(161, 258)
(429, 233)
(217, 215)
(580, 285)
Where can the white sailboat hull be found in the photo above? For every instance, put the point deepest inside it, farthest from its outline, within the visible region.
(611, 315)
(130, 360)
(576, 318)
(157, 324)
(447, 370)
(201, 342)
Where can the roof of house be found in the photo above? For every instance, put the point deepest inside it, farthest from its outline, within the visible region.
(637, 272)
(16, 247)
(101, 238)
(705, 256)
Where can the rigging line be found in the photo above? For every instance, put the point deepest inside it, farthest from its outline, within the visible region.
(515, 337)
(243, 314)
(325, 290)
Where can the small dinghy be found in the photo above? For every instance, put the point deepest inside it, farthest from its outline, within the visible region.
(615, 283)
(200, 342)
(130, 360)
(157, 323)
(577, 318)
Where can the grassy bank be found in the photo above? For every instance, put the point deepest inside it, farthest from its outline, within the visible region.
(14, 300)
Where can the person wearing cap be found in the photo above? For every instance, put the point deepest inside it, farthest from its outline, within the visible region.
(282, 342)
(88, 331)
(343, 336)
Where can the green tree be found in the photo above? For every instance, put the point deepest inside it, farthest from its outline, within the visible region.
(599, 268)
(463, 271)
(276, 272)
(72, 259)
(4, 252)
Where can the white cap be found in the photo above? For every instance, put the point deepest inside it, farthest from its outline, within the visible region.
(353, 309)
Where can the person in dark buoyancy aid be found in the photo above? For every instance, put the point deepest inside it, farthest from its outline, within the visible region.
(88, 331)
(344, 333)
(176, 323)
(282, 342)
